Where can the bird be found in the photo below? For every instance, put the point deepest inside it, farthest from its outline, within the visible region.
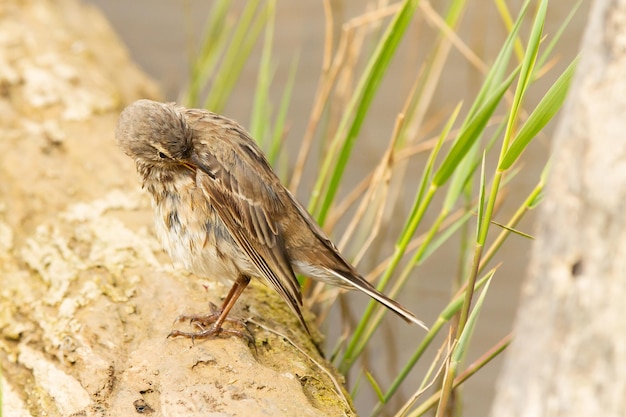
(221, 212)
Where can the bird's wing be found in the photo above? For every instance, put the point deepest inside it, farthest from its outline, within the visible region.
(239, 183)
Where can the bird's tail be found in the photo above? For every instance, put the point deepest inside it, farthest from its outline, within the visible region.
(359, 283)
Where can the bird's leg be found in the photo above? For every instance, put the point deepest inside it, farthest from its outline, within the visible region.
(210, 325)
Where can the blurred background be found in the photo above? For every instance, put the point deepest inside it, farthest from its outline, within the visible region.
(162, 36)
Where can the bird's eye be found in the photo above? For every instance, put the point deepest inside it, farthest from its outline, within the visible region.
(162, 155)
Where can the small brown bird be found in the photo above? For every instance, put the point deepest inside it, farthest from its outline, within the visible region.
(222, 213)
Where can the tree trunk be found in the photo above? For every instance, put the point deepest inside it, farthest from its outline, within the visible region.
(87, 295)
(569, 353)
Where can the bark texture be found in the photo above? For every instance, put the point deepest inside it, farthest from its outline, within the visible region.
(569, 354)
(87, 295)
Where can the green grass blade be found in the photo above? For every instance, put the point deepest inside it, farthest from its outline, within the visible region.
(470, 134)
(528, 203)
(537, 198)
(525, 77)
(409, 228)
(463, 344)
(547, 53)
(481, 197)
(462, 178)
(261, 110)
(526, 73)
(480, 220)
(279, 123)
(443, 238)
(375, 386)
(364, 94)
(543, 113)
(214, 41)
(497, 72)
(512, 230)
(244, 37)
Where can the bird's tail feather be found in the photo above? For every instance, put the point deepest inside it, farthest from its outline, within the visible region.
(361, 284)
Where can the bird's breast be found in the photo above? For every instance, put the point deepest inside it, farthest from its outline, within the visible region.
(192, 233)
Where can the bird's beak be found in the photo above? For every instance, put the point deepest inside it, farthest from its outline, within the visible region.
(196, 164)
(189, 166)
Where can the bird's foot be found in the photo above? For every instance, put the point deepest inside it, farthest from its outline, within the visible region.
(212, 332)
(208, 327)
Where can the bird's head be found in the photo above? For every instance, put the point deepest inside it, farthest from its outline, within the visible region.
(154, 134)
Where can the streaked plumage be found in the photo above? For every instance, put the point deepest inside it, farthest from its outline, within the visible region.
(222, 212)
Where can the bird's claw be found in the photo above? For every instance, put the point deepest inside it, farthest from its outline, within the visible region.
(207, 329)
